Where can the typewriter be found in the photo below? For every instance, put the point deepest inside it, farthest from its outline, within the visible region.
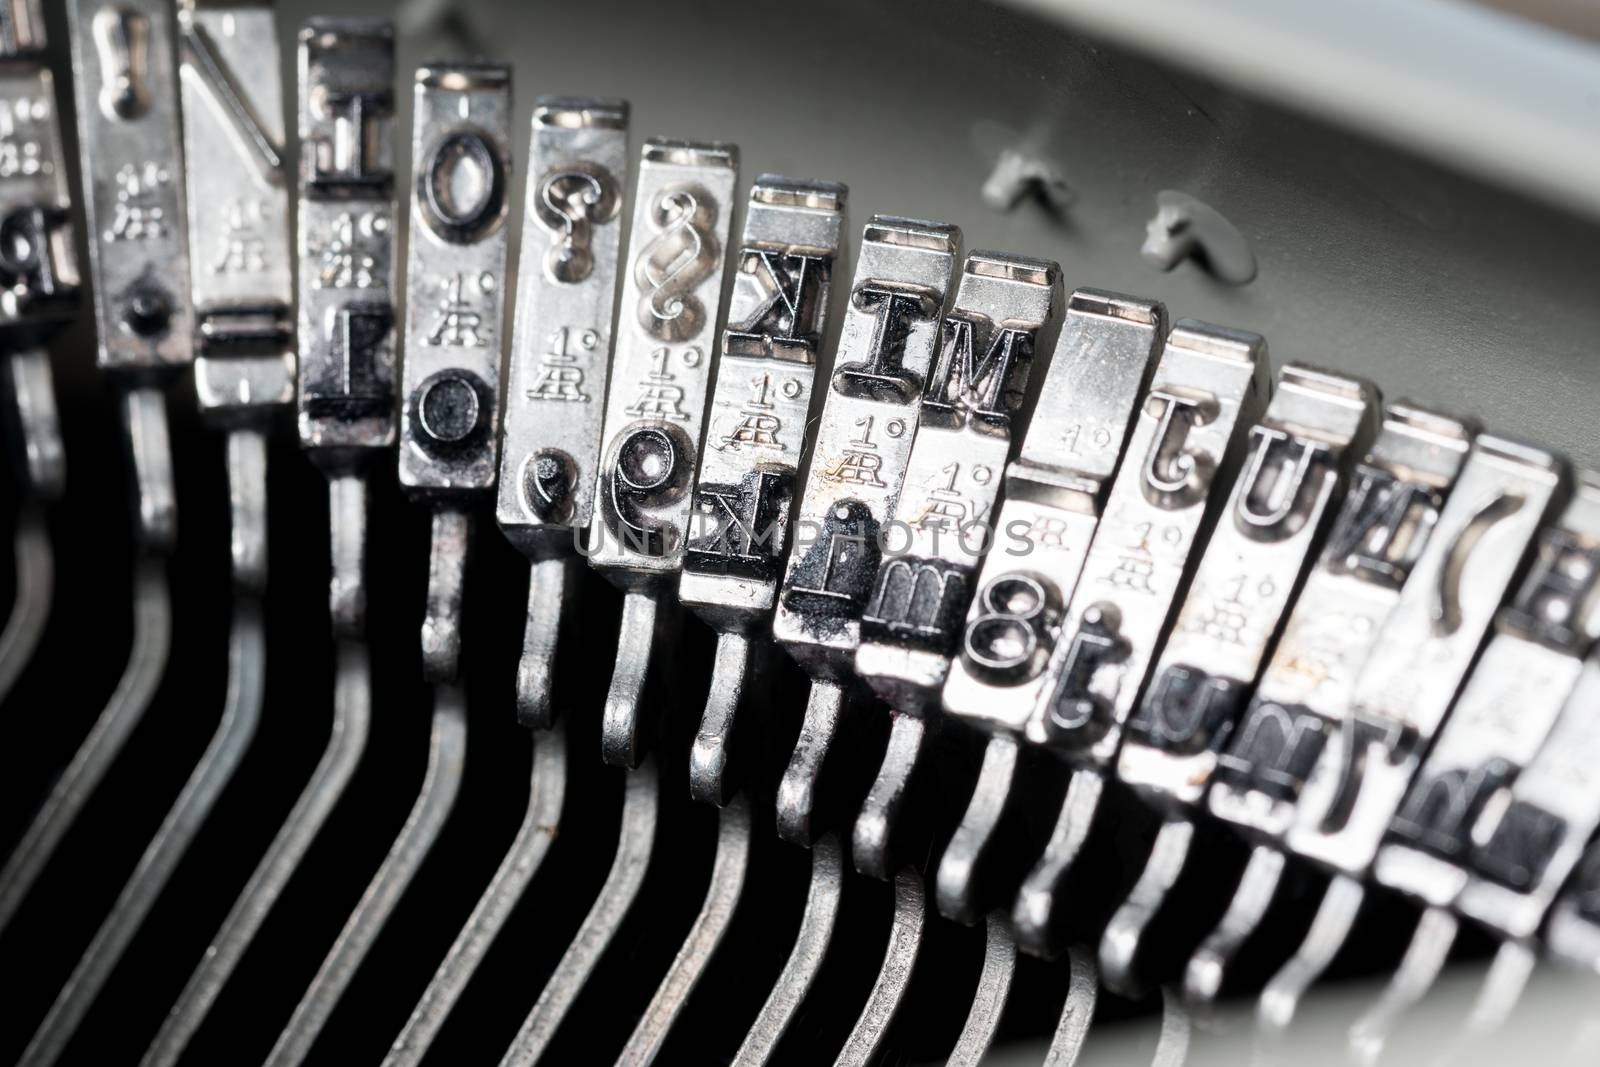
(770, 534)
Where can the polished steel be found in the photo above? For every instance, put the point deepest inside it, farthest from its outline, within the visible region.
(1253, 562)
(1420, 656)
(560, 360)
(805, 961)
(1209, 387)
(352, 714)
(994, 988)
(912, 622)
(240, 712)
(1077, 1013)
(863, 440)
(345, 306)
(894, 977)
(913, 619)
(635, 845)
(1389, 513)
(705, 937)
(755, 441)
(454, 323)
(661, 370)
(540, 825)
(1054, 493)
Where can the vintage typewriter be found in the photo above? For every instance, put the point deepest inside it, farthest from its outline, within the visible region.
(729, 615)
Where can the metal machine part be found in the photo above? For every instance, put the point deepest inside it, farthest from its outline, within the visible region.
(1130, 123)
(1253, 564)
(859, 456)
(1352, 788)
(755, 441)
(559, 361)
(661, 365)
(1209, 387)
(912, 618)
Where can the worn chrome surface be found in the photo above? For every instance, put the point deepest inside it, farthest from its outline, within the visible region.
(347, 219)
(125, 82)
(1054, 492)
(863, 440)
(559, 360)
(455, 280)
(913, 617)
(241, 269)
(1423, 651)
(756, 440)
(661, 367)
(1252, 564)
(1208, 387)
(1004, 307)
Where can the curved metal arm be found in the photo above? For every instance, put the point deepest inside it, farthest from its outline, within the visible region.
(242, 709)
(352, 711)
(722, 899)
(42, 465)
(709, 779)
(797, 790)
(147, 662)
(35, 570)
(548, 588)
(1077, 1014)
(447, 750)
(810, 949)
(872, 841)
(546, 794)
(1119, 944)
(1033, 914)
(634, 849)
(989, 1003)
(642, 612)
(956, 887)
(905, 941)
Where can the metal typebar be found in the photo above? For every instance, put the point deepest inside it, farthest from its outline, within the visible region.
(1360, 764)
(1209, 387)
(869, 418)
(755, 442)
(1004, 308)
(1253, 562)
(1054, 493)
